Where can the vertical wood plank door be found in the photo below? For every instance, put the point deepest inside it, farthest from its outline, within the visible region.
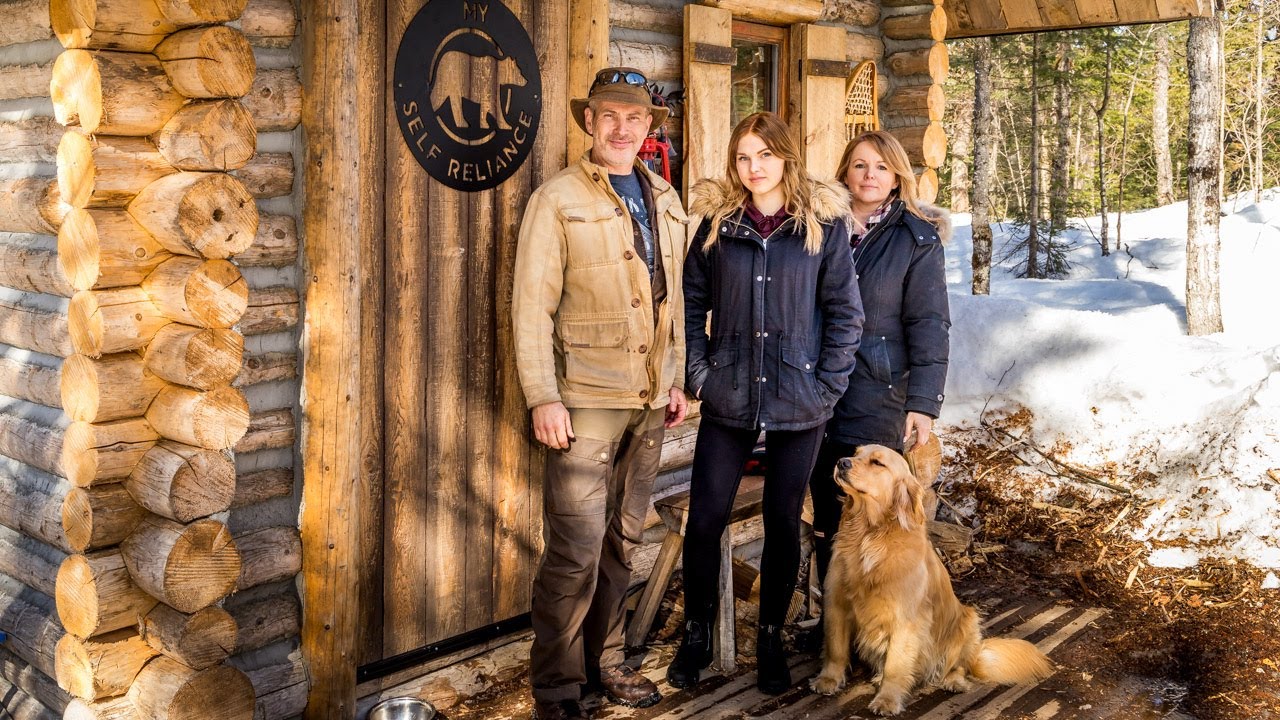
(461, 506)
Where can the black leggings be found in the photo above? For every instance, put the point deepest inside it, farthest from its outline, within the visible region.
(828, 499)
(718, 462)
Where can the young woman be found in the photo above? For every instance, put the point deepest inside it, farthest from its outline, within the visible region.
(896, 389)
(771, 264)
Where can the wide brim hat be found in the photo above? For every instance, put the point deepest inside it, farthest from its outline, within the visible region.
(619, 92)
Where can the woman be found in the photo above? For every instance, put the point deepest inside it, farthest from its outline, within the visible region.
(771, 264)
(895, 392)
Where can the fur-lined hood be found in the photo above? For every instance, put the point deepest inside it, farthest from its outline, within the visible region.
(940, 218)
(710, 197)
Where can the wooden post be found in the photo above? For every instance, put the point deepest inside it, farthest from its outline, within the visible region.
(819, 122)
(208, 62)
(343, 118)
(95, 594)
(708, 63)
(589, 37)
(187, 567)
(106, 248)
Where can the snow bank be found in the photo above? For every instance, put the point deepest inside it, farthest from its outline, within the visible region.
(1103, 363)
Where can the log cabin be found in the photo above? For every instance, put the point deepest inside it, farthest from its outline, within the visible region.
(263, 453)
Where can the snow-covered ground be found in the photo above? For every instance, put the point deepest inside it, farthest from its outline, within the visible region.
(1103, 363)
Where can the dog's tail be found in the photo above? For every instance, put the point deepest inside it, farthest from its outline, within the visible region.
(1010, 662)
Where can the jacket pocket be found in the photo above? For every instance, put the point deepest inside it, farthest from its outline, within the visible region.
(873, 353)
(589, 232)
(720, 389)
(799, 384)
(595, 356)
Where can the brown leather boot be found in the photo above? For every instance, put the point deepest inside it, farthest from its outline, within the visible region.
(624, 686)
(560, 710)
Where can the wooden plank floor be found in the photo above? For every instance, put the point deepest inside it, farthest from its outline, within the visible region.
(1052, 626)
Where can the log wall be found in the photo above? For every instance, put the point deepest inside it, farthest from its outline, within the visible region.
(916, 68)
(148, 333)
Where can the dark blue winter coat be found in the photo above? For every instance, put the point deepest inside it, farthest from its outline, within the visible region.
(902, 361)
(784, 323)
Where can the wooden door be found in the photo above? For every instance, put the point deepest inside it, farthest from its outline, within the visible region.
(461, 505)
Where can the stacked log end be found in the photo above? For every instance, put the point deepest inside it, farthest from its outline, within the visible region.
(139, 225)
(917, 64)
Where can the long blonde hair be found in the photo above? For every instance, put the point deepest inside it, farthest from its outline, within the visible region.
(797, 186)
(895, 156)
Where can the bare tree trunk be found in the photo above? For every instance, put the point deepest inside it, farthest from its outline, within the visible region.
(983, 165)
(1160, 119)
(1204, 179)
(1061, 168)
(1033, 197)
(960, 156)
(1259, 97)
(1124, 137)
(1100, 111)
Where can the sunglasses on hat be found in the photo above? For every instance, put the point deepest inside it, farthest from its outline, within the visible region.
(610, 76)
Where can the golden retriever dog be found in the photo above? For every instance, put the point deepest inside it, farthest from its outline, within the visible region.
(888, 594)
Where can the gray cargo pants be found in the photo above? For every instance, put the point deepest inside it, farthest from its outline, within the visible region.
(595, 501)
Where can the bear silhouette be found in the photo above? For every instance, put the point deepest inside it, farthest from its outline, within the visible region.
(457, 64)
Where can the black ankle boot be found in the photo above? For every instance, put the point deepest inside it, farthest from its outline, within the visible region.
(694, 655)
(773, 677)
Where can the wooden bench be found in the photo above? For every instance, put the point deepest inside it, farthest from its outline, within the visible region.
(674, 511)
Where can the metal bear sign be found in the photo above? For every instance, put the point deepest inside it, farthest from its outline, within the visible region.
(468, 92)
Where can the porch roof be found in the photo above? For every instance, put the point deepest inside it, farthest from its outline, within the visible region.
(974, 18)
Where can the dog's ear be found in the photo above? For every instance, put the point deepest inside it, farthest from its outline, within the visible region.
(908, 501)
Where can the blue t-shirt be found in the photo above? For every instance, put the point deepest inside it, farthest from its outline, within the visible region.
(628, 188)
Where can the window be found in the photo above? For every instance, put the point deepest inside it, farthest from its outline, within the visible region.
(759, 82)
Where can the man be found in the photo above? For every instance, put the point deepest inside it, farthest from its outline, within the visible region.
(598, 313)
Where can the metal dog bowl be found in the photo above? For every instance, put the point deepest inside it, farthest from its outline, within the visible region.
(403, 708)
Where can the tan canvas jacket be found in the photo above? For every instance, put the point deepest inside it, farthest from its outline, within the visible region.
(582, 304)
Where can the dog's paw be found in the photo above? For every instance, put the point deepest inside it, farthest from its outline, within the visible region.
(956, 683)
(827, 684)
(886, 703)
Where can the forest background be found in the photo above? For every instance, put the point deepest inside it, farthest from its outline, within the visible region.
(1095, 121)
